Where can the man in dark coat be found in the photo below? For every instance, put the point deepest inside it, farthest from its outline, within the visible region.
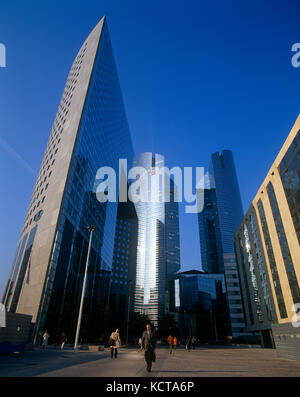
(148, 345)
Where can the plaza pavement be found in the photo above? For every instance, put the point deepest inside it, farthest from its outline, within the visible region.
(201, 362)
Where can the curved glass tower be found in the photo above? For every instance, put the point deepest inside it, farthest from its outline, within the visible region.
(150, 276)
(90, 130)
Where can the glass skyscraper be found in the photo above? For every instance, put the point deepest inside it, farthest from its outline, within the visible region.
(158, 252)
(124, 265)
(224, 179)
(210, 234)
(221, 215)
(90, 130)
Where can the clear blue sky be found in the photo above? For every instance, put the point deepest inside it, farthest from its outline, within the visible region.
(197, 77)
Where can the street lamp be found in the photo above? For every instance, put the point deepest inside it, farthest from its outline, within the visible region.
(128, 310)
(91, 229)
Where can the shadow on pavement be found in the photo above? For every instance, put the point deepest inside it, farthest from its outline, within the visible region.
(39, 362)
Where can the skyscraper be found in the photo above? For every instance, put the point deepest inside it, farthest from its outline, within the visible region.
(210, 234)
(124, 264)
(158, 252)
(90, 130)
(218, 221)
(223, 178)
(172, 246)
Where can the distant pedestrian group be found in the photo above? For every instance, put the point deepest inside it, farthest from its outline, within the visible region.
(62, 340)
(172, 342)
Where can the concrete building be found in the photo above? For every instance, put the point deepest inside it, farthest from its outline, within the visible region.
(90, 130)
(268, 253)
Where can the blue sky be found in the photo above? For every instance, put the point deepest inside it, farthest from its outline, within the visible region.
(197, 77)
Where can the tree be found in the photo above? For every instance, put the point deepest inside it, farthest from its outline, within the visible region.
(167, 325)
(137, 324)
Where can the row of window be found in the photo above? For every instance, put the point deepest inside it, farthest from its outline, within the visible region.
(54, 140)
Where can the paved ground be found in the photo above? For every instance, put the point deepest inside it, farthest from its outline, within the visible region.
(203, 362)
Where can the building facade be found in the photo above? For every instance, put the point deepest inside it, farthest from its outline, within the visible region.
(268, 252)
(123, 276)
(158, 251)
(210, 234)
(172, 247)
(201, 304)
(218, 221)
(90, 130)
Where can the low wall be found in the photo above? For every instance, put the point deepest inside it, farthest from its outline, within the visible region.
(17, 333)
(287, 341)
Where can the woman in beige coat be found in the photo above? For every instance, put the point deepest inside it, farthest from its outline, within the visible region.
(114, 343)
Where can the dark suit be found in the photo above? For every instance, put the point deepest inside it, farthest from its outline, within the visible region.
(148, 344)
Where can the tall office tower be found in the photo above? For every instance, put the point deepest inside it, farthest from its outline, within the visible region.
(172, 246)
(210, 234)
(90, 130)
(268, 253)
(221, 215)
(224, 179)
(124, 265)
(158, 253)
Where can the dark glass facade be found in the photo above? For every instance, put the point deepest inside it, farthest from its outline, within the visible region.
(272, 262)
(103, 137)
(22, 269)
(202, 306)
(124, 266)
(221, 216)
(210, 234)
(172, 246)
(289, 170)
(14, 272)
(230, 210)
(243, 273)
(285, 250)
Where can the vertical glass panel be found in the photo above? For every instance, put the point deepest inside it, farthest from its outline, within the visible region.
(272, 262)
(289, 266)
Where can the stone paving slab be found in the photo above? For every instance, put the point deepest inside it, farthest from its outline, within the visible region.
(201, 362)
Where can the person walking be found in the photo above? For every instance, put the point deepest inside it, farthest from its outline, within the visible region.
(175, 342)
(193, 342)
(170, 342)
(114, 343)
(140, 343)
(63, 340)
(188, 344)
(148, 345)
(46, 337)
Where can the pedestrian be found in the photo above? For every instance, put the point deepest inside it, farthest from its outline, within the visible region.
(63, 340)
(170, 342)
(175, 342)
(148, 345)
(193, 342)
(140, 343)
(46, 336)
(188, 344)
(56, 341)
(114, 343)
